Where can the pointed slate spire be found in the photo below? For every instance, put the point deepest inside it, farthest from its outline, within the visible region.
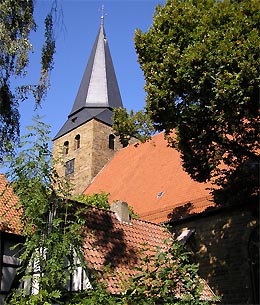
(98, 93)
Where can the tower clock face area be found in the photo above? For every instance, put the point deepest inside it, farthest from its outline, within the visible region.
(86, 142)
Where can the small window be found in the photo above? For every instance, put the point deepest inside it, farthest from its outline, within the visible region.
(111, 142)
(66, 147)
(77, 141)
(69, 167)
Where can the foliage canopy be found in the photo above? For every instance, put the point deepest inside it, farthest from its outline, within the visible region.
(200, 61)
(166, 277)
(52, 226)
(16, 24)
(100, 200)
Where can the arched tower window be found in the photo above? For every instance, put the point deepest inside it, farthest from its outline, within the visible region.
(77, 142)
(111, 141)
(253, 251)
(66, 147)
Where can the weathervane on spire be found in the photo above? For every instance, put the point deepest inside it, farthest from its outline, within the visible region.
(102, 13)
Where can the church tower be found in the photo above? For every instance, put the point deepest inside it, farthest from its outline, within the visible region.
(86, 142)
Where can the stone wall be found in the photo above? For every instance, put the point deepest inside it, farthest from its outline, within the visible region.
(220, 246)
(92, 155)
(101, 153)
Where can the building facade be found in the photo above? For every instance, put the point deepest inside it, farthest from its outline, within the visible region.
(225, 244)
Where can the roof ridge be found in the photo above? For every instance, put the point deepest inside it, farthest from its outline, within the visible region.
(112, 212)
(177, 204)
(151, 223)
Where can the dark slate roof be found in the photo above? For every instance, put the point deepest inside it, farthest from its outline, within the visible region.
(98, 93)
(84, 115)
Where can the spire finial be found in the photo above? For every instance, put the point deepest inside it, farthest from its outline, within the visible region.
(102, 14)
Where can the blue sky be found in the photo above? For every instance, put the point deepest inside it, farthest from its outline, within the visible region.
(75, 35)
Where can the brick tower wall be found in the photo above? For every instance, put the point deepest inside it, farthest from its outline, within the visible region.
(90, 157)
(101, 153)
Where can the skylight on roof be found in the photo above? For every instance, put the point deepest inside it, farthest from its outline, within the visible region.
(160, 194)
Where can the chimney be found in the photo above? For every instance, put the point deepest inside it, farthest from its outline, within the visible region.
(120, 208)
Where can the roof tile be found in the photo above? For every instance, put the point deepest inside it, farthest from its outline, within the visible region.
(139, 175)
(9, 212)
(121, 246)
(107, 240)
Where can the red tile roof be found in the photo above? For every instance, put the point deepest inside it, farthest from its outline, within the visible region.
(119, 244)
(150, 178)
(9, 213)
(108, 241)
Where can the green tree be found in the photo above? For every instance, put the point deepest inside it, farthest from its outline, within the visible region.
(132, 125)
(52, 225)
(16, 24)
(201, 66)
(100, 200)
(166, 277)
(98, 296)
